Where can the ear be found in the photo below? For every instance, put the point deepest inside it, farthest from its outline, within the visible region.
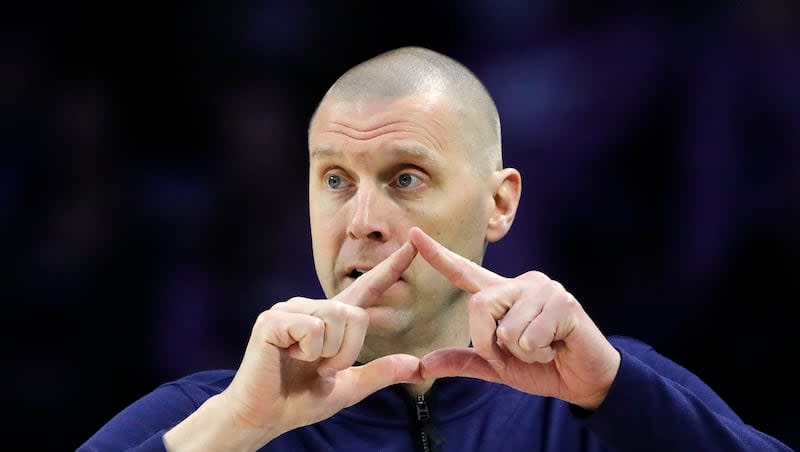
(507, 189)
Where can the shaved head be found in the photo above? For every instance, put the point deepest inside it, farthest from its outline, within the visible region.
(408, 138)
(414, 71)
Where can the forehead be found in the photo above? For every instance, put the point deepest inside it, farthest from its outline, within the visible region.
(414, 123)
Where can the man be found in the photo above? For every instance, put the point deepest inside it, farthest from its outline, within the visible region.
(419, 347)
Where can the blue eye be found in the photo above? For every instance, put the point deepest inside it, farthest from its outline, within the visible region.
(334, 181)
(406, 180)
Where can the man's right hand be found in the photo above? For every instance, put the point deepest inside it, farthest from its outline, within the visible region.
(298, 368)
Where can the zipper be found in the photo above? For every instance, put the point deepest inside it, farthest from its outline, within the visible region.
(425, 432)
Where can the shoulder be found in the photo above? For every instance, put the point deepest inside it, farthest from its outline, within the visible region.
(643, 366)
(631, 344)
(642, 351)
(647, 354)
(207, 377)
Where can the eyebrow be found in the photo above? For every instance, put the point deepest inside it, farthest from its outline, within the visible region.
(322, 151)
(410, 150)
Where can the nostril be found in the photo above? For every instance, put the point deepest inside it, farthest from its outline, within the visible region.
(376, 235)
(355, 274)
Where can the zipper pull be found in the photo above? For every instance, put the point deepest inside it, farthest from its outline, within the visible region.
(422, 409)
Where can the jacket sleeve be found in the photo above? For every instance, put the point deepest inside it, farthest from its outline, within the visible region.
(141, 425)
(655, 404)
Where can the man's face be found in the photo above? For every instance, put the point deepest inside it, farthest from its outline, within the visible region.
(378, 169)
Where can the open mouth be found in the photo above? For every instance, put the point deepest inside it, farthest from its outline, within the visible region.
(359, 272)
(356, 273)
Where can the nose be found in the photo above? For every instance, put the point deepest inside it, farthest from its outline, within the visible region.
(369, 217)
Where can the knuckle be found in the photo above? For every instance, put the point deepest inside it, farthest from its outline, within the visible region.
(543, 355)
(458, 276)
(478, 302)
(287, 305)
(535, 337)
(527, 343)
(279, 306)
(503, 334)
(316, 326)
(335, 309)
(534, 276)
(373, 292)
(343, 311)
(569, 302)
(359, 317)
(396, 267)
(526, 356)
(263, 319)
(557, 286)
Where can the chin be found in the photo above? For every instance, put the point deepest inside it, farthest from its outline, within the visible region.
(397, 295)
(386, 321)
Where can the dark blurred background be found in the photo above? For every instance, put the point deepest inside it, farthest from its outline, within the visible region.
(153, 181)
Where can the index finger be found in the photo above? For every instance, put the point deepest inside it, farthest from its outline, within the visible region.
(372, 284)
(465, 274)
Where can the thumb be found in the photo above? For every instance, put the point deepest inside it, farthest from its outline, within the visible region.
(357, 382)
(457, 362)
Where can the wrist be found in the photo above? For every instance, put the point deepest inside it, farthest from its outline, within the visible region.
(604, 380)
(214, 426)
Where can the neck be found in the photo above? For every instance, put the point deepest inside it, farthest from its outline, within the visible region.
(420, 340)
(447, 328)
(419, 388)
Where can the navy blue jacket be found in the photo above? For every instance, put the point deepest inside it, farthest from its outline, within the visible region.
(653, 405)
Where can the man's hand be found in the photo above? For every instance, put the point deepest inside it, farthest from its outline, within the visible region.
(527, 332)
(298, 367)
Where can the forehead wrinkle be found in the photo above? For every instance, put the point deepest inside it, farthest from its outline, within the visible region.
(432, 136)
(367, 118)
(420, 145)
(351, 131)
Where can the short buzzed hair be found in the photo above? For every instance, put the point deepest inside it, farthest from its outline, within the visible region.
(416, 70)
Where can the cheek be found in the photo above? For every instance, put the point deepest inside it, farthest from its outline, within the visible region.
(326, 237)
(325, 214)
(320, 205)
(461, 214)
(326, 233)
(462, 227)
(325, 251)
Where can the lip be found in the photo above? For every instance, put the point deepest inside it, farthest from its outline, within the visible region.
(365, 268)
(347, 280)
(346, 275)
(387, 298)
